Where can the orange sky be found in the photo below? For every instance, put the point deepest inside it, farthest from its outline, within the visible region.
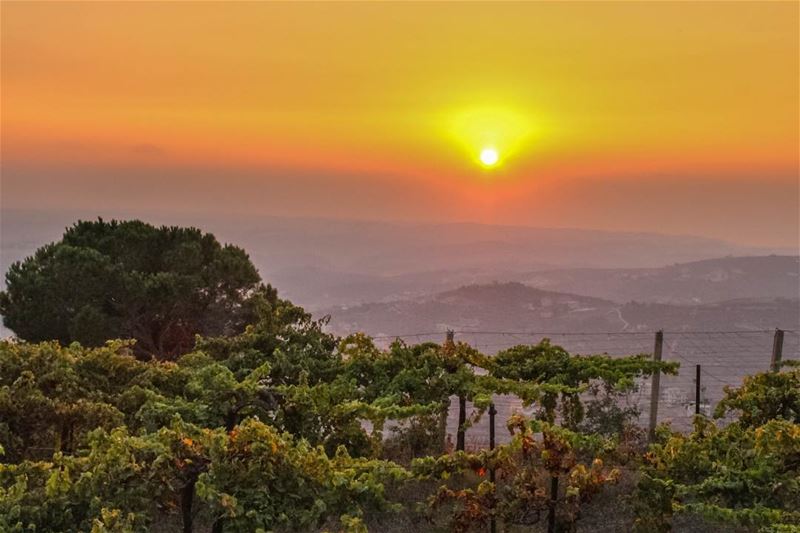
(672, 117)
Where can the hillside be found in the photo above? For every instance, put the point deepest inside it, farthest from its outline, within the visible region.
(711, 280)
(517, 307)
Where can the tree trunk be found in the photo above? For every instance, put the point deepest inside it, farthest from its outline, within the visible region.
(231, 419)
(551, 512)
(462, 419)
(187, 498)
(66, 437)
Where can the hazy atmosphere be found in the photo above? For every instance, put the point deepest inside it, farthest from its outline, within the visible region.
(661, 117)
(400, 267)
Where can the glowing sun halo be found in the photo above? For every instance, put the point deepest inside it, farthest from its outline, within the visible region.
(489, 157)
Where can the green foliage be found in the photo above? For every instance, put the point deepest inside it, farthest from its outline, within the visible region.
(746, 473)
(281, 426)
(50, 397)
(108, 280)
(251, 478)
(285, 336)
(548, 363)
(539, 453)
(260, 479)
(268, 428)
(653, 504)
(764, 397)
(566, 376)
(422, 373)
(417, 437)
(608, 415)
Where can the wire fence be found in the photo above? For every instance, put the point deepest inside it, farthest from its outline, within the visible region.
(725, 358)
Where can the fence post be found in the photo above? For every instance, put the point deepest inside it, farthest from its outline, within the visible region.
(492, 413)
(446, 442)
(655, 389)
(462, 408)
(697, 392)
(777, 351)
(462, 419)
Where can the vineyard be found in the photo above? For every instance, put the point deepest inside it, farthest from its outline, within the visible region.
(224, 408)
(724, 358)
(285, 427)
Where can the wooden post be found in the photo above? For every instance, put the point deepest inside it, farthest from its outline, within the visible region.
(492, 412)
(462, 408)
(655, 389)
(697, 391)
(777, 351)
(446, 406)
(462, 419)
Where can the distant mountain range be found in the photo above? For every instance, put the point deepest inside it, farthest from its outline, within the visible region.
(392, 276)
(697, 282)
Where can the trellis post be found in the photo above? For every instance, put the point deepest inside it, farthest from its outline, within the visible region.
(462, 407)
(697, 391)
(492, 413)
(446, 443)
(777, 351)
(655, 389)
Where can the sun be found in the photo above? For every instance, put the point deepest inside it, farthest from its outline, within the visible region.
(489, 157)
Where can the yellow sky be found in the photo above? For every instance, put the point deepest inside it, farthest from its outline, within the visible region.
(410, 93)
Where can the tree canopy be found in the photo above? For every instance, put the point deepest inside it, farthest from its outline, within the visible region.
(105, 280)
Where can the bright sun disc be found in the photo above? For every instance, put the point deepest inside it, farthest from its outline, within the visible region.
(489, 156)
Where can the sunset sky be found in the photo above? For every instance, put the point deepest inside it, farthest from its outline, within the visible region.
(637, 116)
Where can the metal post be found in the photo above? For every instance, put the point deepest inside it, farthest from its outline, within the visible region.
(492, 413)
(697, 392)
(777, 351)
(655, 389)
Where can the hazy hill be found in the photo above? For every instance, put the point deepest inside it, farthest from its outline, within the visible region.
(499, 306)
(706, 281)
(517, 307)
(710, 280)
(322, 262)
(400, 267)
